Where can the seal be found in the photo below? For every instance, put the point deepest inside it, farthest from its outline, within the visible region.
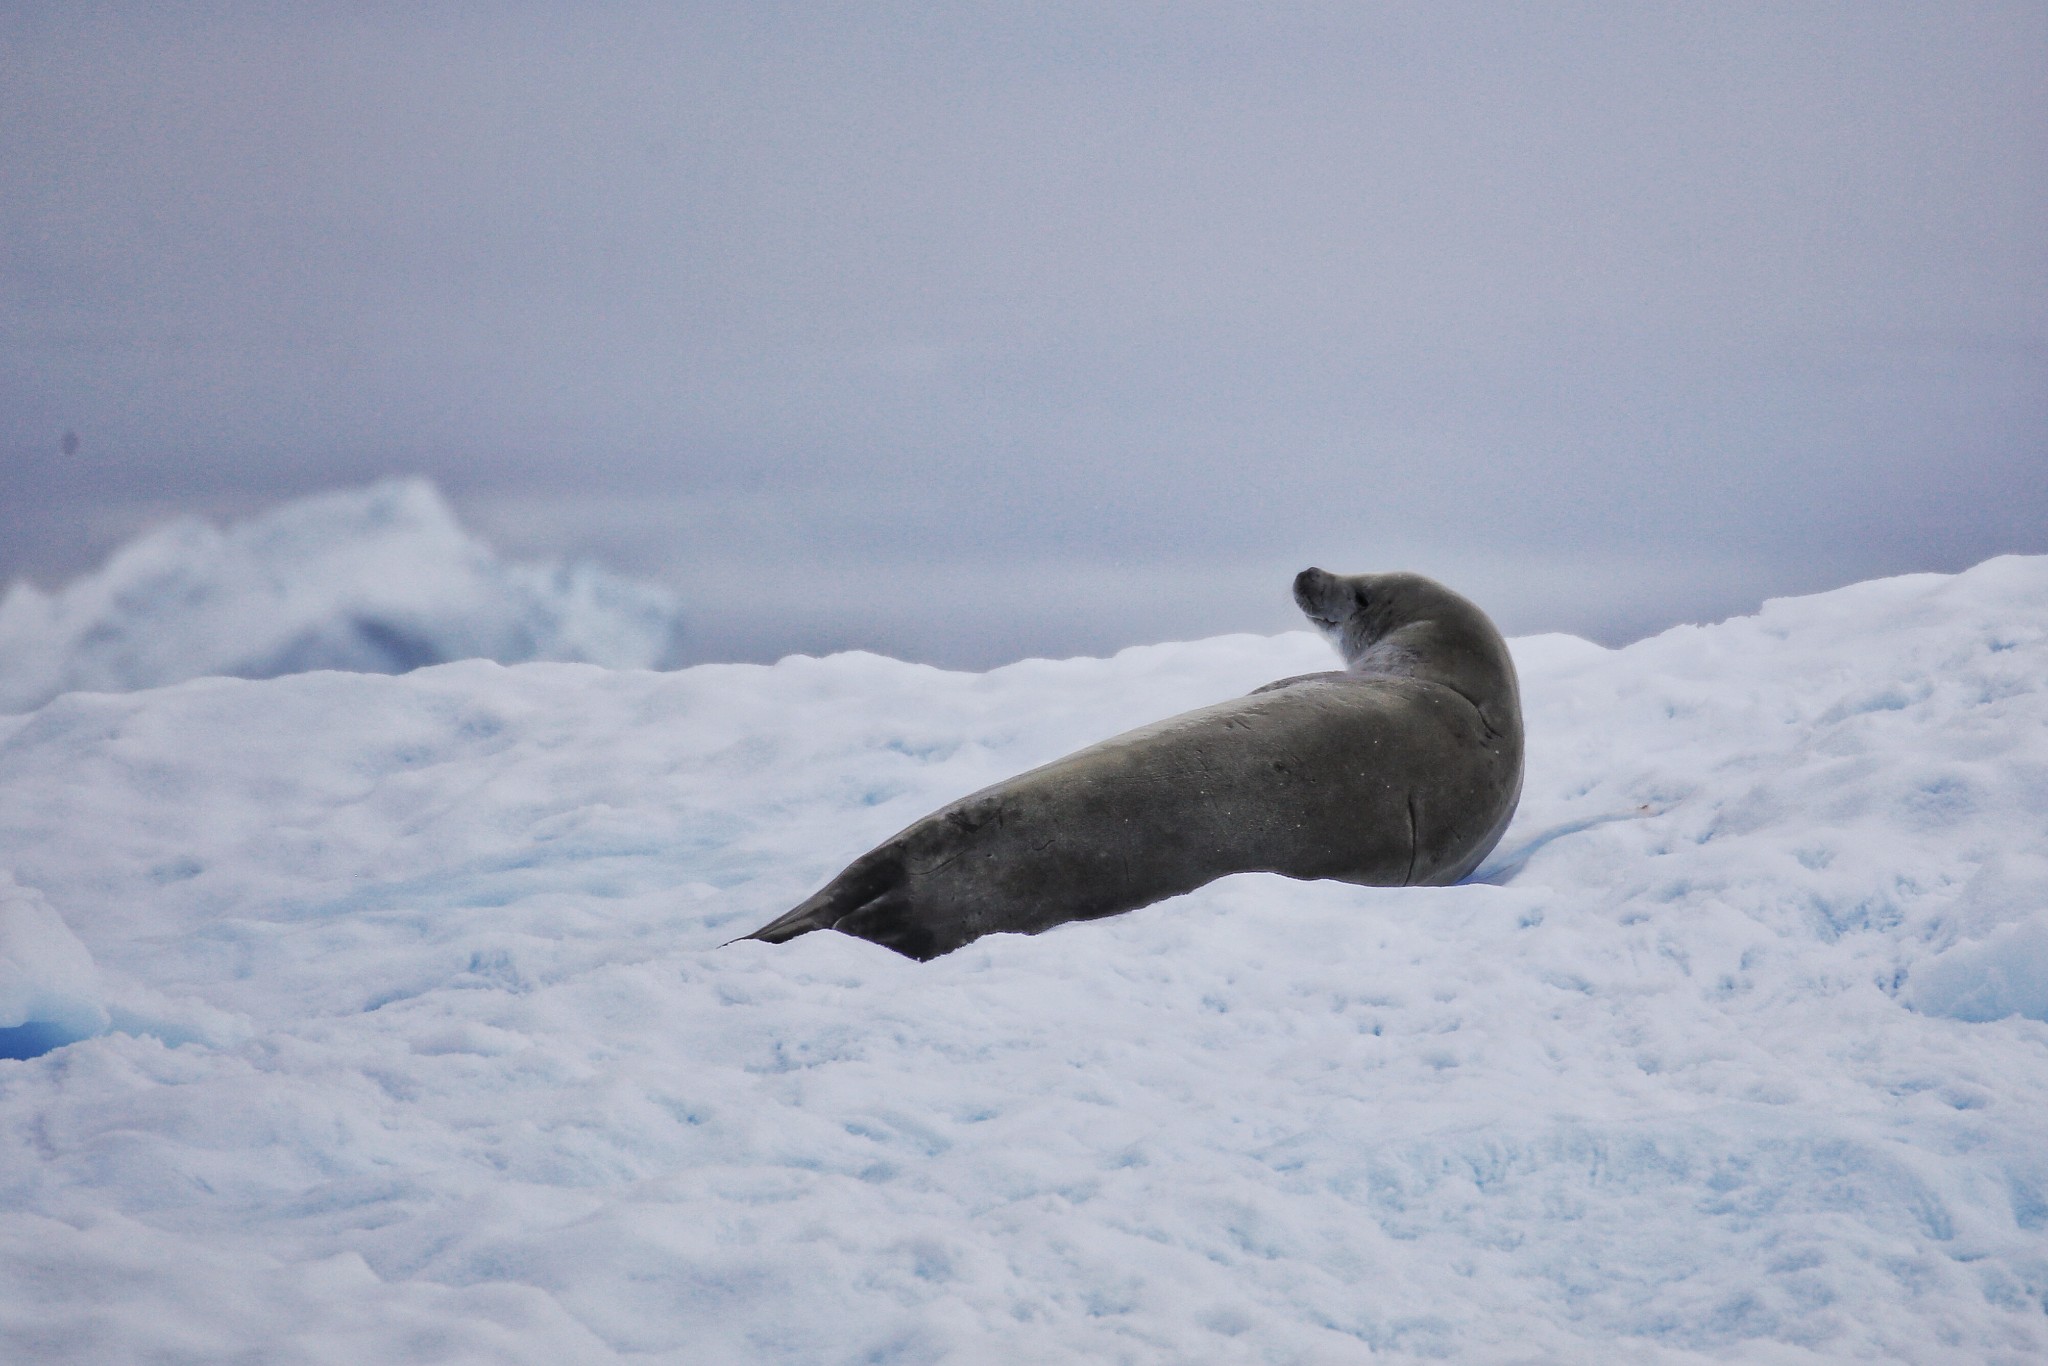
(1402, 769)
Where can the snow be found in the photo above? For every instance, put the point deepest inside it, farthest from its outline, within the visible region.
(400, 1027)
(380, 580)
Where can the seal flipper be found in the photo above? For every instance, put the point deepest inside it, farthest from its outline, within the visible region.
(866, 879)
(887, 920)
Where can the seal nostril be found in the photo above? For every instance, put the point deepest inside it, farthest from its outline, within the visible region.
(1307, 584)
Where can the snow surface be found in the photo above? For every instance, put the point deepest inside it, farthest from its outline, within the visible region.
(379, 580)
(405, 1032)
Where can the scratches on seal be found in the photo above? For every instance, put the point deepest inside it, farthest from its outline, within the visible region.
(1414, 840)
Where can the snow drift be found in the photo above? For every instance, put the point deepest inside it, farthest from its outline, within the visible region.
(377, 580)
(418, 1043)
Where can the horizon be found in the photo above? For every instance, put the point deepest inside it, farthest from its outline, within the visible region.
(980, 335)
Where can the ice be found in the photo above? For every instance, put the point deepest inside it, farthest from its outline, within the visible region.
(377, 580)
(49, 989)
(415, 1039)
(2006, 973)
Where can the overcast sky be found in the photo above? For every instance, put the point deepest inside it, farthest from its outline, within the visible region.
(967, 332)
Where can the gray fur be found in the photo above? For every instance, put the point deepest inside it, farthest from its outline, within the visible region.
(1401, 769)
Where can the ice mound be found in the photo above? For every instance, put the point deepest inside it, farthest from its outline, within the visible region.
(376, 580)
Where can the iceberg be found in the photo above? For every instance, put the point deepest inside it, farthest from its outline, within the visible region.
(376, 580)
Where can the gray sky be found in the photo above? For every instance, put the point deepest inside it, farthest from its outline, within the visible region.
(965, 332)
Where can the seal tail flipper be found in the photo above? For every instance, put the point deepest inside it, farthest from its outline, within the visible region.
(888, 921)
(814, 914)
(867, 878)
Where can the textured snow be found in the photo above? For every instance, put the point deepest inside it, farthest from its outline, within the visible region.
(403, 1031)
(377, 580)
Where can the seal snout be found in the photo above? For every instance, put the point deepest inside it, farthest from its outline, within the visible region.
(1312, 593)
